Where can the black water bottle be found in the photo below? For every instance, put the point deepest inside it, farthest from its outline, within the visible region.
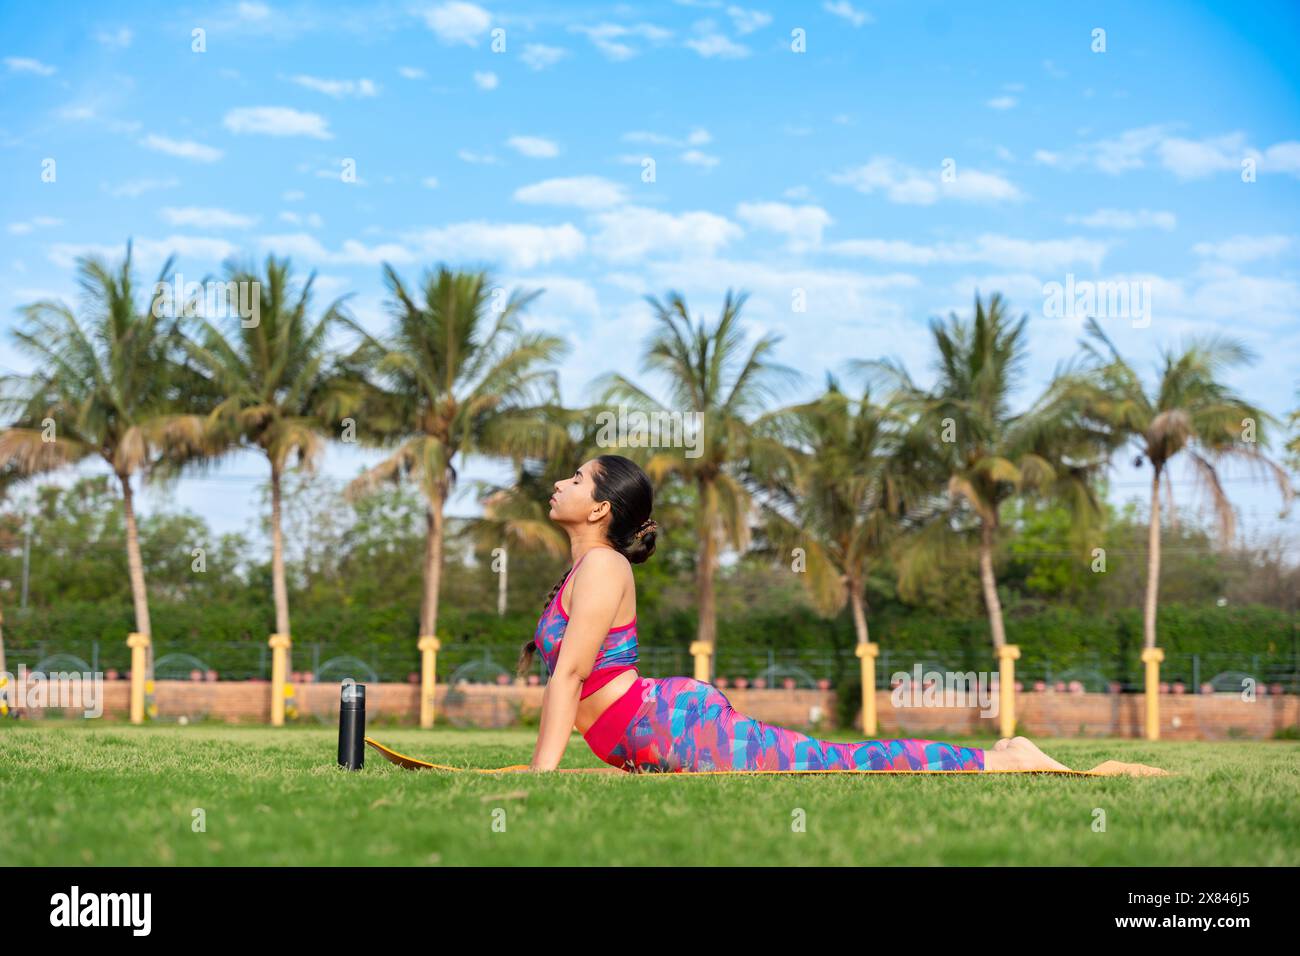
(352, 725)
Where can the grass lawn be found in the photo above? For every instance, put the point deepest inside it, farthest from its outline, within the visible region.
(77, 793)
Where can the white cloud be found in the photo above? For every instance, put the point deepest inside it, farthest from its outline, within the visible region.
(352, 252)
(137, 187)
(515, 245)
(634, 232)
(846, 11)
(712, 44)
(695, 157)
(747, 21)
(338, 88)
(22, 64)
(297, 219)
(185, 149)
(1001, 102)
(1187, 159)
(1126, 219)
(697, 137)
(803, 225)
(910, 186)
(534, 147)
(585, 192)
(205, 218)
(485, 159)
(118, 39)
(539, 56)
(429, 182)
(1046, 255)
(1244, 248)
(458, 22)
(608, 37)
(36, 222)
(411, 72)
(276, 121)
(253, 11)
(147, 253)
(486, 80)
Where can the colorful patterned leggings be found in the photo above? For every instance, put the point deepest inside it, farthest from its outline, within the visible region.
(682, 725)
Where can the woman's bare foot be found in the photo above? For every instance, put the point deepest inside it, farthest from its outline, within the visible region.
(1019, 753)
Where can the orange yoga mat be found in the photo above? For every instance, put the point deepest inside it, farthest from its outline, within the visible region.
(1111, 768)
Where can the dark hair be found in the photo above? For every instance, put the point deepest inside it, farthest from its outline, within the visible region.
(631, 531)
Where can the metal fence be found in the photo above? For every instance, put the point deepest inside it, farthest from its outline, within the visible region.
(805, 668)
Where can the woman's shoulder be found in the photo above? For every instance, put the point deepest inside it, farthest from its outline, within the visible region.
(604, 560)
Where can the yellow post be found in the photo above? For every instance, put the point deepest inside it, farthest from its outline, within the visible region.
(867, 652)
(138, 643)
(1151, 657)
(1008, 654)
(702, 651)
(429, 646)
(279, 664)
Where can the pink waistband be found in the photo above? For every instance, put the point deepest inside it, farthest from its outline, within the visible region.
(604, 735)
(598, 679)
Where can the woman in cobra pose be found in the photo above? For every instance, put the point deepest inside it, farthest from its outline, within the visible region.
(673, 724)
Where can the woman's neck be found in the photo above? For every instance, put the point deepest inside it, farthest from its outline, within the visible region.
(582, 549)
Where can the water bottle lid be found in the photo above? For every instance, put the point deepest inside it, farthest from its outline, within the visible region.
(353, 692)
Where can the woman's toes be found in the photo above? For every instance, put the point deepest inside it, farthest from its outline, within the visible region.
(1002, 744)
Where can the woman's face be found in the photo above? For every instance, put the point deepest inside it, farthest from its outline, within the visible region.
(573, 501)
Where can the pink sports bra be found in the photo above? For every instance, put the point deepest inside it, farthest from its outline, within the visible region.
(617, 654)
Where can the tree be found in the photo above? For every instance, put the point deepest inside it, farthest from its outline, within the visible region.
(857, 475)
(1191, 410)
(108, 385)
(709, 376)
(278, 389)
(986, 452)
(447, 380)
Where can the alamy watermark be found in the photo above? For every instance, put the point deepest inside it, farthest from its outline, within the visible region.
(211, 299)
(1103, 300)
(944, 689)
(633, 428)
(36, 690)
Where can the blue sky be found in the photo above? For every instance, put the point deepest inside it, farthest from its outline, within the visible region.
(904, 157)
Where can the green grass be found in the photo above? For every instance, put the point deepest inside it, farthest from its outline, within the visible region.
(74, 793)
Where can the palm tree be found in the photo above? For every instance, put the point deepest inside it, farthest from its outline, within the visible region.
(709, 376)
(515, 514)
(277, 387)
(987, 452)
(107, 384)
(449, 380)
(857, 475)
(1293, 446)
(10, 476)
(1191, 410)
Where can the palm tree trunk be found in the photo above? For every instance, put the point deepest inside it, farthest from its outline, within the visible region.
(1153, 566)
(990, 584)
(503, 581)
(432, 567)
(279, 586)
(135, 571)
(859, 606)
(707, 626)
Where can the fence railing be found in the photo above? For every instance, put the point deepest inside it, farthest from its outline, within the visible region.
(326, 661)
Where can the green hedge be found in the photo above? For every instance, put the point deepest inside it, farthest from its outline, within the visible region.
(1059, 637)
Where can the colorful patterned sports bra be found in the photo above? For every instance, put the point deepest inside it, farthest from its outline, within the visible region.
(617, 654)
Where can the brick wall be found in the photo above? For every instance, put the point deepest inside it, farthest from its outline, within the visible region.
(1182, 716)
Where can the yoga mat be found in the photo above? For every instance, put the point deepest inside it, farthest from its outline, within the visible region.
(1111, 768)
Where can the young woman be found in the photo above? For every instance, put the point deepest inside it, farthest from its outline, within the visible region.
(673, 724)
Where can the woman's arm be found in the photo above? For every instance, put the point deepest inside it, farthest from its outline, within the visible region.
(597, 593)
